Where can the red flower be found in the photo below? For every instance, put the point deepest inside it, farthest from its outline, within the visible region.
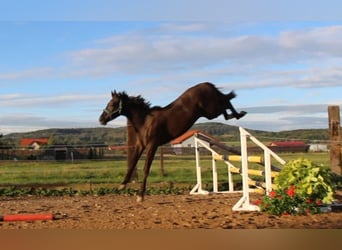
(318, 202)
(309, 201)
(291, 191)
(257, 202)
(273, 194)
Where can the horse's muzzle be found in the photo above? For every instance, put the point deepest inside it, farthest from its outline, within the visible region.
(103, 123)
(103, 120)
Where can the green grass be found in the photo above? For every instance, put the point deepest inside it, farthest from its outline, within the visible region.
(178, 169)
(319, 158)
(26, 173)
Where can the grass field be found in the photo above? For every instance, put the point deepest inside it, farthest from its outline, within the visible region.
(178, 169)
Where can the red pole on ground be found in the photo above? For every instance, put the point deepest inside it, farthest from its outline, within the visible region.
(26, 217)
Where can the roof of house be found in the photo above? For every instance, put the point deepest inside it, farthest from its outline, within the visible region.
(288, 143)
(189, 134)
(30, 141)
(118, 147)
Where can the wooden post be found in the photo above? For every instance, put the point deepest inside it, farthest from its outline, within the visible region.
(335, 139)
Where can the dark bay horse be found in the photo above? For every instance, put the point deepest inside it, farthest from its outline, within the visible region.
(151, 127)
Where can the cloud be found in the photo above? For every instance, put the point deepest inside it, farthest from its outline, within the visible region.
(300, 58)
(299, 109)
(161, 61)
(283, 117)
(184, 27)
(27, 100)
(318, 42)
(27, 73)
(267, 118)
(218, 46)
(281, 121)
(22, 122)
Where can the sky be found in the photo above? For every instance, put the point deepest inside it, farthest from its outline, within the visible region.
(60, 60)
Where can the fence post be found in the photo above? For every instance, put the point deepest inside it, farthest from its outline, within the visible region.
(335, 138)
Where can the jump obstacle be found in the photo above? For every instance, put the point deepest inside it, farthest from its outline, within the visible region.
(269, 171)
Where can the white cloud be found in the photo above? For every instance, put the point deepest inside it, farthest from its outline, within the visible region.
(184, 27)
(26, 100)
(305, 58)
(164, 60)
(322, 41)
(299, 109)
(22, 122)
(27, 73)
(317, 41)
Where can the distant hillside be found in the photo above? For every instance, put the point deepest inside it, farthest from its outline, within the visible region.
(115, 136)
(73, 136)
(227, 132)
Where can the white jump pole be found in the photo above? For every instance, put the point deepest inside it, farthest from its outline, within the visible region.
(244, 204)
(230, 176)
(215, 179)
(197, 189)
(267, 159)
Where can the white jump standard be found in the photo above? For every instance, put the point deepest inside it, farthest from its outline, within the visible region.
(244, 203)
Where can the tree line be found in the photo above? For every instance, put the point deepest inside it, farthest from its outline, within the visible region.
(117, 136)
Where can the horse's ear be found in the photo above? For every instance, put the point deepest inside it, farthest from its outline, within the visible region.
(113, 93)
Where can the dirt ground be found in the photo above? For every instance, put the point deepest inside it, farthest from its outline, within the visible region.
(156, 212)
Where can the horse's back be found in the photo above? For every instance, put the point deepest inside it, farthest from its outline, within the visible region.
(204, 86)
(209, 99)
(205, 92)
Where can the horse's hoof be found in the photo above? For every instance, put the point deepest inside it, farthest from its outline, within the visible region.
(228, 117)
(122, 186)
(241, 114)
(140, 199)
(231, 95)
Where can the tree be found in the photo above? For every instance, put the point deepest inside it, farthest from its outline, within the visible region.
(52, 140)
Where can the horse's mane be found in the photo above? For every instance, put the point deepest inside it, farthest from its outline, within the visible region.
(138, 101)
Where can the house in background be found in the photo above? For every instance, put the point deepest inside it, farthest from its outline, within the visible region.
(187, 140)
(318, 147)
(34, 143)
(289, 146)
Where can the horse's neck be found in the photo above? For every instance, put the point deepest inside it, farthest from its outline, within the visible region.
(136, 117)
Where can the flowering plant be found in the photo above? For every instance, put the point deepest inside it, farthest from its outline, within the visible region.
(301, 187)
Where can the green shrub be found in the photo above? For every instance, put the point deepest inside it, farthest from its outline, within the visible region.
(301, 187)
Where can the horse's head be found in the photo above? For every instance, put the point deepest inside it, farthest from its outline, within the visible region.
(112, 110)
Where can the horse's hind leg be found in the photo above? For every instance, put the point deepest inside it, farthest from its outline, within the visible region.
(234, 113)
(150, 152)
(230, 106)
(231, 95)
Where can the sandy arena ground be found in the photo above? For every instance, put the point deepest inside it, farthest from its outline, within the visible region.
(156, 212)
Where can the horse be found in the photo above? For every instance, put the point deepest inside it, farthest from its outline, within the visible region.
(150, 127)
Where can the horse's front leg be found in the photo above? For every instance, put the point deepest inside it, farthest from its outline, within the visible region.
(134, 157)
(150, 152)
(132, 140)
